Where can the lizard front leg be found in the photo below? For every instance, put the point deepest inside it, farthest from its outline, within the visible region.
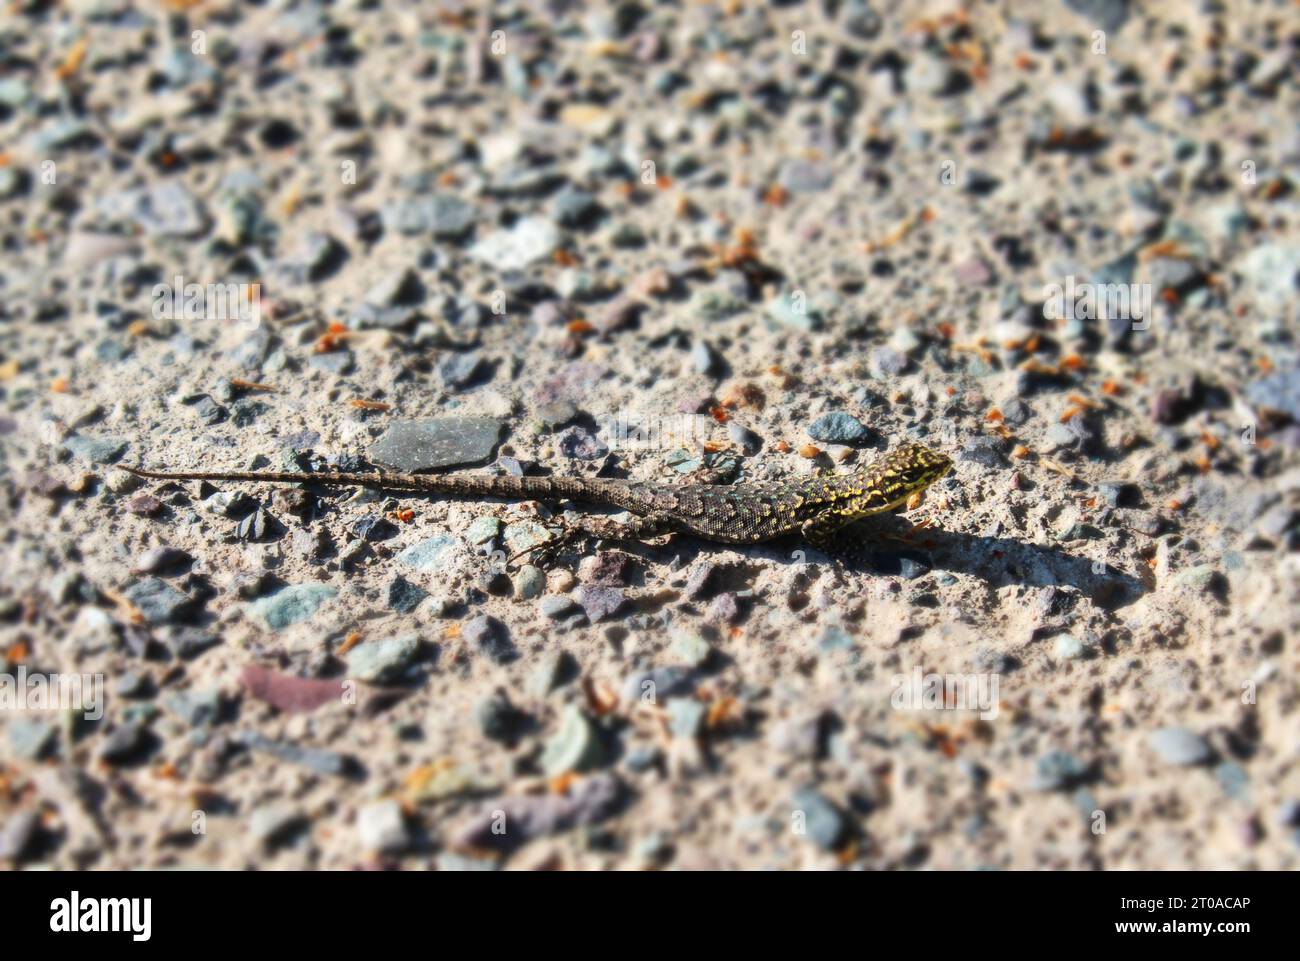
(866, 546)
(842, 540)
(822, 534)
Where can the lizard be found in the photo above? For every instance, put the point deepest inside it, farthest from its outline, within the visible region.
(747, 513)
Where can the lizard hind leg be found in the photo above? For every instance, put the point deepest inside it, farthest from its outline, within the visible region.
(604, 528)
(641, 528)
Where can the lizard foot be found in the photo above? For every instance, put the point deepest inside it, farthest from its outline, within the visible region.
(546, 552)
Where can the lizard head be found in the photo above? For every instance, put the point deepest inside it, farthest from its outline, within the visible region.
(905, 472)
(919, 467)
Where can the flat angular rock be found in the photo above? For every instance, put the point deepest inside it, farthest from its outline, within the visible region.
(430, 553)
(381, 826)
(1180, 746)
(444, 216)
(165, 210)
(589, 801)
(285, 692)
(383, 660)
(418, 445)
(158, 601)
(530, 240)
(838, 427)
(1277, 392)
(291, 604)
(313, 758)
(96, 450)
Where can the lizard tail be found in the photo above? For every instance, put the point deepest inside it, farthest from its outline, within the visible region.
(463, 485)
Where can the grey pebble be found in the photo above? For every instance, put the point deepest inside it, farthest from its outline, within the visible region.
(600, 602)
(642, 757)
(1269, 273)
(290, 604)
(430, 554)
(401, 287)
(1278, 392)
(557, 606)
(557, 414)
(744, 438)
(554, 669)
(573, 207)
(703, 358)
(18, 833)
(791, 309)
(132, 684)
(1180, 746)
(529, 240)
(691, 649)
(258, 526)
(381, 827)
(822, 821)
(158, 601)
(483, 529)
(268, 824)
(488, 635)
(657, 684)
(498, 719)
(385, 660)
(575, 746)
(985, 451)
(1068, 647)
(445, 216)
(320, 255)
(686, 717)
(96, 450)
(403, 596)
(461, 370)
(1059, 770)
(314, 759)
(723, 609)
(188, 642)
(886, 362)
(167, 209)
(196, 708)
(1234, 780)
(29, 738)
(529, 582)
(529, 816)
(806, 176)
(163, 560)
(124, 744)
(372, 529)
(338, 362)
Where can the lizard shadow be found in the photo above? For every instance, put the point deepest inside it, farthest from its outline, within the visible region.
(891, 546)
(1000, 561)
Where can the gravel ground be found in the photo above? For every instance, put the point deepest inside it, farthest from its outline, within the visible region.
(639, 240)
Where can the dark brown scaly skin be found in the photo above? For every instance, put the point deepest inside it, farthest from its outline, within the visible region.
(741, 514)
